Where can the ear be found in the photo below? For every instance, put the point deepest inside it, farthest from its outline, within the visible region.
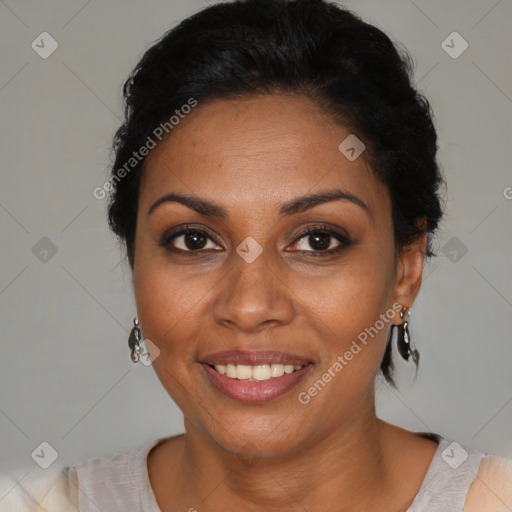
(409, 273)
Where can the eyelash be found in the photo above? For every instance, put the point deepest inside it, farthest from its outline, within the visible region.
(312, 230)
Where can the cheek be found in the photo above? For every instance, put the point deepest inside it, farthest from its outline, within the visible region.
(353, 295)
(352, 313)
(353, 339)
(166, 314)
(165, 303)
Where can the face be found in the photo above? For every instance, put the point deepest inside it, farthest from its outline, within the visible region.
(249, 285)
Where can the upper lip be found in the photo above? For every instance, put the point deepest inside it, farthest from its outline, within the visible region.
(253, 358)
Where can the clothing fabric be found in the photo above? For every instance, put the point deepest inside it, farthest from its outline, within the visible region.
(447, 482)
(123, 480)
(121, 483)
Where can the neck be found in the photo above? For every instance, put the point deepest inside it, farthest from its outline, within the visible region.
(348, 466)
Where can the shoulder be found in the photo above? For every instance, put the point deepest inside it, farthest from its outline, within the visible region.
(51, 490)
(491, 490)
(117, 482)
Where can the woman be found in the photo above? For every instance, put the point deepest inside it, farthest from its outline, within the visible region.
(277, 190)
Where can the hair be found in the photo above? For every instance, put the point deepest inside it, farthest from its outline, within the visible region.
(313, 48)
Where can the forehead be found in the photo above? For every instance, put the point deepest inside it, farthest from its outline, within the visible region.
(257, 150)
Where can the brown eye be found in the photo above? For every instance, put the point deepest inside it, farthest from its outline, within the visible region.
(321, 241)
(193, 241)
(188, 240)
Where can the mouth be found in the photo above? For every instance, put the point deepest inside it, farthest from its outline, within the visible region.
(255, 377)
(258, 373)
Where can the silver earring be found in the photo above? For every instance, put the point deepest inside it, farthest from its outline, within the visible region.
(134, 341)
(403, 342)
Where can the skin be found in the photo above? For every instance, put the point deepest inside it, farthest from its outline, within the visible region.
(252, 155)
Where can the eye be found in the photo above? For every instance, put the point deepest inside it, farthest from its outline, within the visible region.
(188, 239)
(321, 240)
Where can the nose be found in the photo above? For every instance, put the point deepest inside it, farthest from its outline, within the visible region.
(253, 296)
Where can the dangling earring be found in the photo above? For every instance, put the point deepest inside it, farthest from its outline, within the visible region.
(133, 341)
(404, 343)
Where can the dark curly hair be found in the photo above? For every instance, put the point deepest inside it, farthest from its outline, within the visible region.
(313, 48)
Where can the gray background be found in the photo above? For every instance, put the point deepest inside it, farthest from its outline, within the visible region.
(66, 376)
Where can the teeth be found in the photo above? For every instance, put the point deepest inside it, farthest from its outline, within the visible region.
(277, 370)
(231, 371)
(243, 372)
(261, 372)
(256, 373)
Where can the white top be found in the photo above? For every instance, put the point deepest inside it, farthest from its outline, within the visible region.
(121, 484)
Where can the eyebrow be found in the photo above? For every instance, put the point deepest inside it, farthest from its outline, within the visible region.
(291, 207)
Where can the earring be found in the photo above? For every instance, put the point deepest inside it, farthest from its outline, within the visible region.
(404, 343)
(133, 341)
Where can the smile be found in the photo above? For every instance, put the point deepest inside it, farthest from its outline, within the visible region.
(259, 372)
(255, 384)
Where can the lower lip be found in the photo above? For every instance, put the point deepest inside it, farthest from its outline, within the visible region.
(255, 392)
